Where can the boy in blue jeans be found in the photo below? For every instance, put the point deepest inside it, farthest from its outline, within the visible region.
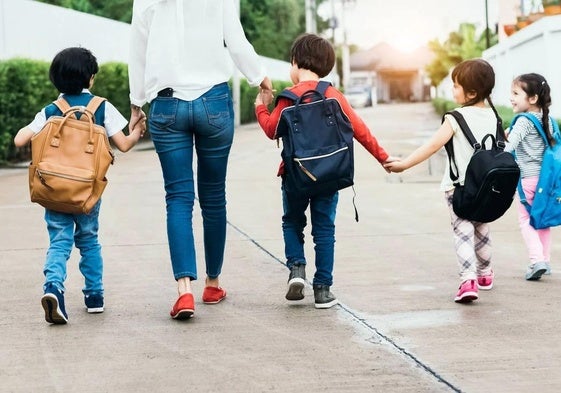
(72, 72)
(312, 58)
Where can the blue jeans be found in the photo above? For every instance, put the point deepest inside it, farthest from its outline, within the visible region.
(322, 213)
(176, 126)
(65, 230)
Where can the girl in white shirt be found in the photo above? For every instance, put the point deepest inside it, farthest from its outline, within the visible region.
(181, 56)
(473, 82)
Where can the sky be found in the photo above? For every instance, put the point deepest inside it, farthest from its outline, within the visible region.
(407, 24)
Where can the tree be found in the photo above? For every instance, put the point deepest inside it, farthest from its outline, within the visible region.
(460, 45)
(270, 25)
(120, 10)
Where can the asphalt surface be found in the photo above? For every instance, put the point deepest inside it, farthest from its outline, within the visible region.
(397, 328)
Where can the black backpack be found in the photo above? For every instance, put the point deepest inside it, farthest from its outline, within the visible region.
(317, 140)
(491, 176)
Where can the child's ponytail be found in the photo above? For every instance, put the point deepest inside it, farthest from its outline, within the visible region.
(535, 85)
(500, 120)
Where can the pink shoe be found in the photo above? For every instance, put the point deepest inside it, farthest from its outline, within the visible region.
(467, 292)
(485, 282)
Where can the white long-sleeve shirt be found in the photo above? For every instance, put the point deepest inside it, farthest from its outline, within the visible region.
(187, 45)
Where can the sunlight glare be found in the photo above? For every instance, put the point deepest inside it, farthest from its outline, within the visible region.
(406, 43)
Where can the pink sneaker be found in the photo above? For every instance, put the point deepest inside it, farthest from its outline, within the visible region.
(485, 282)
(467, 292)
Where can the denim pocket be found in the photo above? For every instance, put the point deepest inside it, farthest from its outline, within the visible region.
(218, 110)
(163, 112)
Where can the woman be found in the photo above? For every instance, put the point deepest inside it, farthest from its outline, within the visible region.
(180, 56)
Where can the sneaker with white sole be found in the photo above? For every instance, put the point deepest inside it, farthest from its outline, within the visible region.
(53, 304)
(296, 282)
(94, 302)
(323, 297)
(536, 271)
(467, 292)
(485, 282)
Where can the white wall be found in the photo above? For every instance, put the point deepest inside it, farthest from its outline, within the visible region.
(39, 31)
(536, 48)
(36, 30)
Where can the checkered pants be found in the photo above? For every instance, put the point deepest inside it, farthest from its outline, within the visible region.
(473, 244)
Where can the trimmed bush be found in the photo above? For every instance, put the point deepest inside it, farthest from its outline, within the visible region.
(25, 88)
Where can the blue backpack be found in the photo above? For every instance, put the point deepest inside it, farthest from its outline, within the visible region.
(545, 211)
(317, 140)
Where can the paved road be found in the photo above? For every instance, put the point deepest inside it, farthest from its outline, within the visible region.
(397, 329)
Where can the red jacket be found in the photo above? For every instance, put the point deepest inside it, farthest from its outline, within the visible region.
(269, 121)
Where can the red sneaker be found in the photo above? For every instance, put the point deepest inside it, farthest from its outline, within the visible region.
(485, 282)
(213, 295)
(184, 307)
(467, 292)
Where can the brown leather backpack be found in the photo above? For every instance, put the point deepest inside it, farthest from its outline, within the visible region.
(69, 160)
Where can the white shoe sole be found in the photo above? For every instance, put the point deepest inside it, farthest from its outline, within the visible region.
(537, 271)
(327, 305)
(295, 289)
(53, 313)
(466, 297)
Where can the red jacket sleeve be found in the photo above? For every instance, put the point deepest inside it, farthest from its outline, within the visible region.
(361, 131)
(270, 121)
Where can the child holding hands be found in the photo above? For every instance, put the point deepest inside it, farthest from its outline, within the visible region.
(531, 94)
(473, 82)
(312, 58)
(72, 71)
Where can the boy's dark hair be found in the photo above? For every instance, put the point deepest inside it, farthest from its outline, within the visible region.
(72, 69)
(476, 76)
(535, 85)
(314, 53)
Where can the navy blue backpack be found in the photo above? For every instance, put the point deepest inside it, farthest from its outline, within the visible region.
(317, 140)
(545, 210)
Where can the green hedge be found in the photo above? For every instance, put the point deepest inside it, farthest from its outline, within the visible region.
(441, 106)
(25, 89)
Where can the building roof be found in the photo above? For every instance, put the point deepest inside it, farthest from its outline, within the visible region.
(384, 57)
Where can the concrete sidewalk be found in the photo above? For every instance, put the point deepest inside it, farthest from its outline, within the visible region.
(397, 329)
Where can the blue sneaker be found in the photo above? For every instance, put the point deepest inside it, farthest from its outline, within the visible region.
(536, 271)
(548, 267)
(94, 302)
(53, 304)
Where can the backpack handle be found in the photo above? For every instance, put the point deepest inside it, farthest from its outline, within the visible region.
(310, 97)
(449, 146)
(55, 142)
(67, 112)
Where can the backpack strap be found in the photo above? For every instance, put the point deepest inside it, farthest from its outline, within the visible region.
(286, 93)
(498, 139)
(538, 125)
(449, 146)
(536, 122)
(91, 108)
(93, 105)
(322, 87)
(62, 105)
